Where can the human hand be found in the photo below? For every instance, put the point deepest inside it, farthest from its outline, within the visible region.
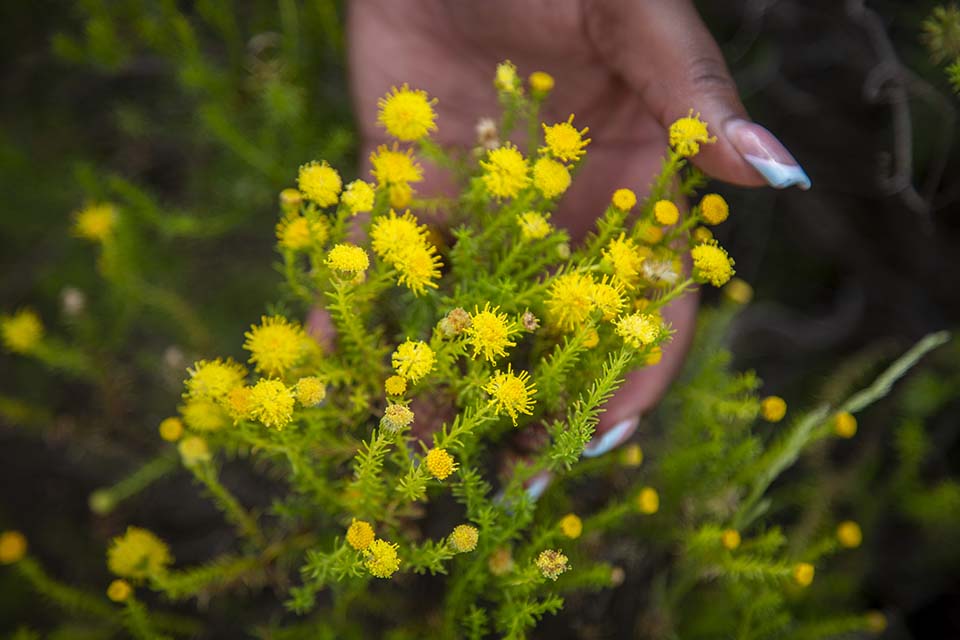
(627, 69)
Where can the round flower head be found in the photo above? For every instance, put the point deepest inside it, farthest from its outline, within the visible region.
(489, 333)
(803, 573)
(407, 114)
(193, 451)
(607, 297)
(171, 429)
(552, 563)
(213, 380)
(382, 560)
(400, 194)
(358, 197)
(13, 546)
(534, 225)
(276, 345)
(418, 267)
(512, 393)
(119, 591)
(654, 357)
(413, 360)
(348, 259)
(238, 404)
(271, 403)
(773, 408)
(541, 83)
(570, 300)
(203, 414)
(714, 209)
(392, 235)
(138, 554)
(711, 264)
(505, 172)
(95, 222)
(849, 534)
(564, 142)
(506, 79)
(730, 539)
(360, 534)
(845, 425)
(876, 621)
(22, 331)
(310, 391)
(648, 501)
(623, 256)
(395, 386)
(592, 338)
(320, 182)
(631, 455)
(701, 235)
(624, 199)
(439, 463)
(396, 417)
(666, 212)
(391, 166)
(571, 526)
(294, 233)
(639, 329)
(290, 200)
(738, 291)
(688, 133)
(464, 538)
(649, 232)
(550, 177)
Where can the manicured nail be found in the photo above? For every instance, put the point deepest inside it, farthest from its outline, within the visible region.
(612, 438)
(538, 484)
(767, 155)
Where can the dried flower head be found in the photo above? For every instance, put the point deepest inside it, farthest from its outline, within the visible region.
(552, 563)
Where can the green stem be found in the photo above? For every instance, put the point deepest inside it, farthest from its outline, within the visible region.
(105, 500)
(228, 504)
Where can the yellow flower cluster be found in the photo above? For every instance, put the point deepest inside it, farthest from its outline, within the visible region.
(320, 183)
(439, 463)
(407, 114)
(534, 225)
(464, 538)
(138, 554)
(571, 526)
(688, 133)
(348, 259)
(711, 264)
(512, 393)
(413, 360)
(395, 171)
(639, 329)
(382, 560)
(22, 331)
(489, 333)
(271, 403)
(276, 345)
(564, 142)
(95, 222)
(360, 534)
(505, 172)
(552, 563)
(402, 242)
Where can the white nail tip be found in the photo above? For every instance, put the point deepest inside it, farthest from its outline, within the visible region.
(779, 175)
(609, 440)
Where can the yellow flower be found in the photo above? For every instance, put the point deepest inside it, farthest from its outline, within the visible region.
(773, 408)
(570, 300)
(648, 501)
(845, 425)
(238, 404)
(730, 538)
(623, 257)
(95, 221)
(320, 182)
(702, 235)
(360, 534)
(290, 200)
(296, 233)
(711, 264)
(391, 166)
(396, 417)
(714, 209)
(550, 177)
(563, 140)
(22, 331)
(849, 534)
(391, 235)
(534, 225)
(310, 391)
(571, 526)
(407, 114)
(649, 232)
(607, 297)
(348, 259)
(489, 332)
(193, 450)
(171, 429)
(413, 360)
(138, 554)
(639, 329)
(418, 266)
(395, 386)
(505, 172)
(541, 82)
(119, 591)
(552, 563)
(13, 546)
(666, 212)
(400, 194)
(632, 456)
(382, 560)
(464, 538)
(271, 402)
(803, 573)
(213, 380)
(276, 345)
(358, 197)
(506, 78)
(688, 133)
(592, 338)
(624, 199)
(654, 357)
(738, 291)
(439, 463)
(203, 414)
(512, 393)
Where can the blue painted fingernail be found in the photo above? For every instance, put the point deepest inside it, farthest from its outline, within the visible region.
(537, 486)
(611, 439)
(767, 155)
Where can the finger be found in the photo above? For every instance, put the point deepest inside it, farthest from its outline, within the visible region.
(663, 50)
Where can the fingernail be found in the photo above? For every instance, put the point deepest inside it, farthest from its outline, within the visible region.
(612, 438)
(538, 484)
(767, 155)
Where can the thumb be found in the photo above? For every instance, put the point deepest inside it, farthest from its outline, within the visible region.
(665, 53)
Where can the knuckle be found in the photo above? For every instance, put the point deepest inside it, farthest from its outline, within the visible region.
(710, 73)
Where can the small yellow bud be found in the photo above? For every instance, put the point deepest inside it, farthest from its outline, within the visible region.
(571, 526)
(171, 429)
(193, 451)
(773, 408)
(730, 539)
(631, 456)
(360, 534)
(666, 212)
(395, 386)
(738, 290)
(624, 199)
(119, 590)
(845, 425)
(290, 200)
(648, 501)
(13, 546)
(541, 83)
(803, 573)
(714, 209)
(876, 622)
(849, 534)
